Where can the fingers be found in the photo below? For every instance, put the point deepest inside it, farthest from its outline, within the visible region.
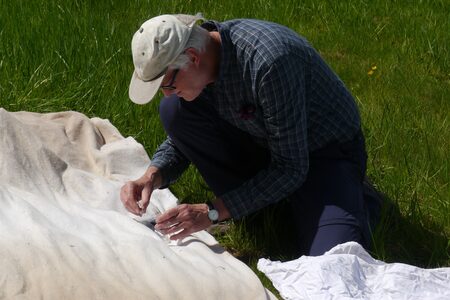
(136, 197)
(183, 220)
(145, 198)
(169, 216)
(182, 234)
(129, 199)
(170, 229)
(177, 231)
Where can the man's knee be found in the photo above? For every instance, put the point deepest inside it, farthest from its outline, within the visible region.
(331, 235)
(168, 112)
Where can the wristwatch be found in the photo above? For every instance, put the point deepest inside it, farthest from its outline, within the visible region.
(213, 214)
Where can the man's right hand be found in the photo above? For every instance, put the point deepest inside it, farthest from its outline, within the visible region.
(135, 195)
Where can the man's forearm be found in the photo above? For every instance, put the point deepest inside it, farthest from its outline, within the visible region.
(154, 175)
(170, 162)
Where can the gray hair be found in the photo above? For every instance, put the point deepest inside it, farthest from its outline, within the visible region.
(198, 39)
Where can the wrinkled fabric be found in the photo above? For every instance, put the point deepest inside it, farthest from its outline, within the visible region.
(347, 271)
(64, 233)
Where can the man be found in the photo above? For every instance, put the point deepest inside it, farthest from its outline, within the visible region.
(263, 118)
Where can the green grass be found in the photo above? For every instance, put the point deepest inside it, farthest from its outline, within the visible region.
(75, 55)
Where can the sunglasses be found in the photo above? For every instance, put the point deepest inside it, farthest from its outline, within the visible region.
(170, 86)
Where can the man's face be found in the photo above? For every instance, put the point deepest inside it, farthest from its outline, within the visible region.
(186, 83)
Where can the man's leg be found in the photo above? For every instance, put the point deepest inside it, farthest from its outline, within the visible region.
(329, 207)
(224, 155)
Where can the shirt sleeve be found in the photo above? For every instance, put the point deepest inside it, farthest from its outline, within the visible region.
(282, 98)
(170, 161)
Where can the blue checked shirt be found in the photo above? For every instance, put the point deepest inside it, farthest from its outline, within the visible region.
(275, 86)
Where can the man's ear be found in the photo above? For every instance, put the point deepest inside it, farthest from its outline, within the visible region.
(194, 55)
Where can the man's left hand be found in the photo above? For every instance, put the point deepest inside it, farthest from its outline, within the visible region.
(183, 220)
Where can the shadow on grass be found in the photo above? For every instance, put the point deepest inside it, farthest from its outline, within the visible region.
(271, 232)
(397, 238)
(412, 240)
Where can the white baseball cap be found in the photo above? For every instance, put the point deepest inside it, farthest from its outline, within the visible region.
(155, 46)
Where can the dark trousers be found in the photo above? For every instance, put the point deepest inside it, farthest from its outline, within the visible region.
(328, 209)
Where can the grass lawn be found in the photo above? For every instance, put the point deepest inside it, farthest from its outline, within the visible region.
(393, 55)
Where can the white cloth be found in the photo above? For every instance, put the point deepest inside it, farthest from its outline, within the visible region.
(347, 271)
(64, 233)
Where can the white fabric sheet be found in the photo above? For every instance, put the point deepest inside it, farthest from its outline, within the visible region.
(65, 235)
(348, 272)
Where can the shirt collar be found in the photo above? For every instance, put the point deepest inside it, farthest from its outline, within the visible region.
(224, 49)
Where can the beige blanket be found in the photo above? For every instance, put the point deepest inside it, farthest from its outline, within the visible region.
(65, 235)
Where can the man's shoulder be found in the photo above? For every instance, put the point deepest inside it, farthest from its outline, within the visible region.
(256, 28)
(264, 40)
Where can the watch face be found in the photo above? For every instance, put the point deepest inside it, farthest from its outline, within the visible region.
(213, 215)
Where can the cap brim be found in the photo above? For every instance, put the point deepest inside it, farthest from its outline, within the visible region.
(142, 92)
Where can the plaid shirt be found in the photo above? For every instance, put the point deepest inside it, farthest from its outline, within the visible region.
(275, 86)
